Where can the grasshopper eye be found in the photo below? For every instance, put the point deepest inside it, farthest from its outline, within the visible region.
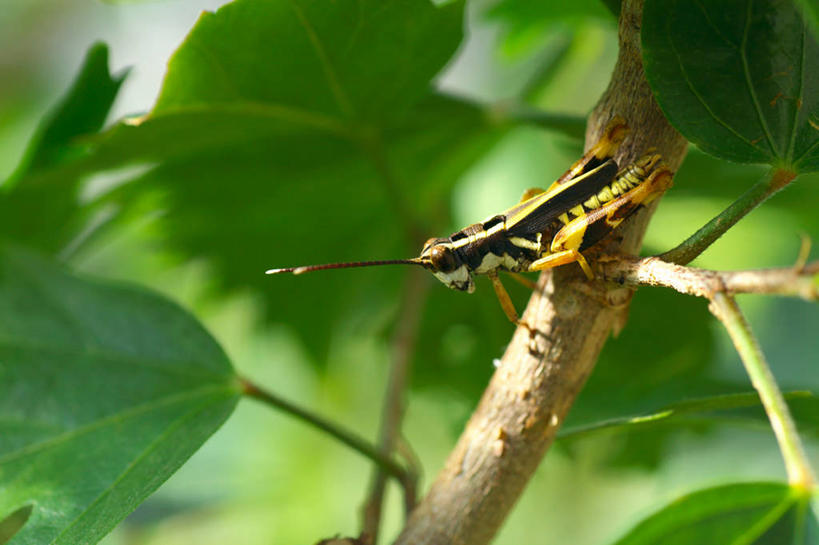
(443, 260)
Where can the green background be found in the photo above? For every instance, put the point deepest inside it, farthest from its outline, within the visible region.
(286, 174)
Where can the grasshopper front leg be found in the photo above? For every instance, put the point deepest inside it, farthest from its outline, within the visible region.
(503, 297)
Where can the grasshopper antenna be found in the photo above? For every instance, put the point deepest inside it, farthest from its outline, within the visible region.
(311, 268)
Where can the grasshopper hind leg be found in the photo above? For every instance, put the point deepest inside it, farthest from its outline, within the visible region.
(529, 193)
(562, 258)
(605, 148)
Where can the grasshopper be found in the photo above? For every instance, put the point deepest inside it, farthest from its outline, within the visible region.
(545, 229)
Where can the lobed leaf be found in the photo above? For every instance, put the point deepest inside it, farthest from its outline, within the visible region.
(304, 132)
(347, 60)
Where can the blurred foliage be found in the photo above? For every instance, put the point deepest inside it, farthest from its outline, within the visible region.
(299, 133)
(810, 11)
(41, 212)
(525, 23)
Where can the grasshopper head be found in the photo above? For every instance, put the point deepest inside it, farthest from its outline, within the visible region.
(441, 258)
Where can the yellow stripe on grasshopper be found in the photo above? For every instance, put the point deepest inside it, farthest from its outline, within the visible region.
(568, 241)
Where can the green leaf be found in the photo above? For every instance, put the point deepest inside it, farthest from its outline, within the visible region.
(105, 392)
(739, 78)
(298, 196)
(12, 523)
(336, 150)
(747, 513)
(44, 211)
(519, 12)
(81, 111)
(810, 11)
(659, 372)
(346, 60)
(714, 409)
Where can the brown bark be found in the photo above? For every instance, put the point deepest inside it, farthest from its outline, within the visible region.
(540, 376)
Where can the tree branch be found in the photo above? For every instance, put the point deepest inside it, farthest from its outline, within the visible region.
(718, 288)
(349, 438)
(541, 375)
(653, 271)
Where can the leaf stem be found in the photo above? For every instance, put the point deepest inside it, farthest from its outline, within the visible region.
(347, 437)
(800, 280)
(797, 465)
(403, 346)
(773, 180)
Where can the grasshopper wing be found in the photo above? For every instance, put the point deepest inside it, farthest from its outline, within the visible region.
(536, 214)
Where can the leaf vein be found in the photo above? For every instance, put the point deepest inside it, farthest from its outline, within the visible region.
(746, 70)
(171, 367)
(135, 411)
(332, 78)
(807, 152)
(700, 99)
(716, 29)
(145, 453)
(794, 123)
(755, 531)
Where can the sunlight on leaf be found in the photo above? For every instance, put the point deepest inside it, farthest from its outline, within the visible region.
(43, 212)
(343, 60)
(82, 110)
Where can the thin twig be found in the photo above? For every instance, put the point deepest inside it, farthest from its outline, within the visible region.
(719, 288)
(403, 345)
(347, 437)
(800, 474)
(774, 180)
(632, 271)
